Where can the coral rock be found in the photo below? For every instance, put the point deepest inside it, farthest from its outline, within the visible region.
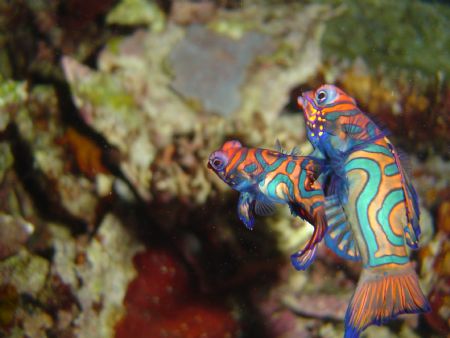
(160, 303)
(187, 12)
(14, 232)
(217, 65)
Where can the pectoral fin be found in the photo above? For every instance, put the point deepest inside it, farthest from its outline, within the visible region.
(339, 237)
(264, 207)
(303, 258)
(246, 206)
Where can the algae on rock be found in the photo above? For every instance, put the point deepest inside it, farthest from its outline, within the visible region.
(137, 12)
(371, 30)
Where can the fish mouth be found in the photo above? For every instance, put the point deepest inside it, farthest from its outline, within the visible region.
(301, 101)
(306, 101)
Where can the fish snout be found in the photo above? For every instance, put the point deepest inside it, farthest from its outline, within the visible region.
(301, 101)
(211, 157)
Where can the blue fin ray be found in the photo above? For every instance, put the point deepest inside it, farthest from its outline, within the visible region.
(303, 259)
(278, 147)
(245, 208)
(264, 207)
(339, 237)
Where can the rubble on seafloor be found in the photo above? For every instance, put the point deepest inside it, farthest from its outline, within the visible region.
(111, 224)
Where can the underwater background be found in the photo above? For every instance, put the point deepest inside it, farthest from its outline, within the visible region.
(111, 224)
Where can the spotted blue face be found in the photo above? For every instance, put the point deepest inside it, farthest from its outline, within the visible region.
(313, 104)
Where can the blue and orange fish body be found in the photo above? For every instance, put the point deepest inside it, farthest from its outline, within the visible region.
(264, 177)
(371, 207)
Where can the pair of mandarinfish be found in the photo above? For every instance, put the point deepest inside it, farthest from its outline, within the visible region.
(354, 191)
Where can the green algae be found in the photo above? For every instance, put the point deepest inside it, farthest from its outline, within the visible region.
(232, 27)
(137, 12)
(104, 90)
(12, 96)
(11, 93)
(25, 271)
(401, 35)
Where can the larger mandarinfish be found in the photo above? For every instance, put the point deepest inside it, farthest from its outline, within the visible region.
(264, 177)
(371, 206)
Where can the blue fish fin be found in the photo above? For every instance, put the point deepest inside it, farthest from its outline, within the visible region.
(404, 160)
(413, 200)
(303, 258)
(412, 229)
(335, 178)
(263, 206)
(295, 152)
(317, 154)
(278, 146)
(246, 206)
(339, 237)
(381, 295)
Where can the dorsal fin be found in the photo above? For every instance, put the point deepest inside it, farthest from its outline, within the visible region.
(412, 228)
(295, 152)
(404, 160)
(278, 147)
(339, 236)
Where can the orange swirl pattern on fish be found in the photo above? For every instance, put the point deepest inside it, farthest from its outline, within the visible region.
(372, 208)
(264, 177)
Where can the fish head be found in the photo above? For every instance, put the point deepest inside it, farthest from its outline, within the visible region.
(226, 163)
(320, 107)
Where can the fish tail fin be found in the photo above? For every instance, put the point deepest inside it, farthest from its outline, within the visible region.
(381, 295)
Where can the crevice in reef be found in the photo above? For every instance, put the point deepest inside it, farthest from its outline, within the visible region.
(39, 187)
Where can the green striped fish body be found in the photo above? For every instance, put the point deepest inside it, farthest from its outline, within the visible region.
(372, 211)
(376, 209)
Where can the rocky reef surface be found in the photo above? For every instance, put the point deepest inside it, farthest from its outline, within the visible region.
(111, 224)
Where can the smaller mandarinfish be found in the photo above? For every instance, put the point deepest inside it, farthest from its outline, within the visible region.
(264, 177)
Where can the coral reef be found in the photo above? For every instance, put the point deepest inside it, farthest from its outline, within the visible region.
(384, 42)
(160, 303)
(218, 64)
(111, 225)
(419, 103)
(14, 233)
(137, 12)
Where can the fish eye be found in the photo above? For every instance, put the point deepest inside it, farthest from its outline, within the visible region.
(321, 96)
(217, 162)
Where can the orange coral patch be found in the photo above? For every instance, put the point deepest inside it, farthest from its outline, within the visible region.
(87, 153)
